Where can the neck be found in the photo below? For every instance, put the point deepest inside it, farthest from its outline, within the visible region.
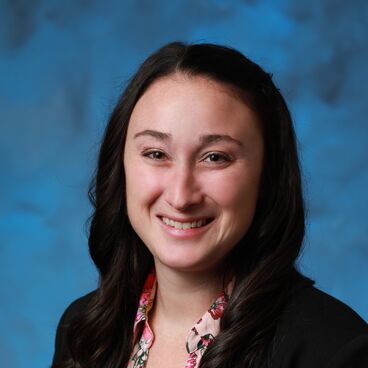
(184, 294)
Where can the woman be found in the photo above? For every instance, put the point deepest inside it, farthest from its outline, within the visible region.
(199, 212)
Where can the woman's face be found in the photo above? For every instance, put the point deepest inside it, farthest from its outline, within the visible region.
(193, 161)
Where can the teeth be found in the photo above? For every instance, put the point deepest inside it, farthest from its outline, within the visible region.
(183, 225)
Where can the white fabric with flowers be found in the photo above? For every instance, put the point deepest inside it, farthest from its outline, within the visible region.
(201, 335)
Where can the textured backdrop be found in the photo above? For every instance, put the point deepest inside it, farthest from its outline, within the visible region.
(63, 64)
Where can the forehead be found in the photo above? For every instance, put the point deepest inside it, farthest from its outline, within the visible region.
(192, 103)
(170, 88)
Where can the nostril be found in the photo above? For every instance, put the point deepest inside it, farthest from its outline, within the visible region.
(182, 192)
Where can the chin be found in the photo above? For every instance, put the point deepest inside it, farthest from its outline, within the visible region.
(186, 262)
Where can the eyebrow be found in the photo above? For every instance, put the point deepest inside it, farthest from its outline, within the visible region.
(212, 138)
(204, 139)
(155, 134)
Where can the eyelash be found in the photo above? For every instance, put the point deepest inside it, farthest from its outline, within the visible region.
(150, 154)
(223, 157)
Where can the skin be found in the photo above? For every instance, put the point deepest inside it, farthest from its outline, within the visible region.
(194, 150)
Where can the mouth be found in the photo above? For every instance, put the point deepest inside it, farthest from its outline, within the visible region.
(186, 225)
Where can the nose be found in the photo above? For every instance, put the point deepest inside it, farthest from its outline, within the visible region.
(182, 189)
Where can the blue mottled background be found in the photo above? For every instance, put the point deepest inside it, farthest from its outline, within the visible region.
(63, 64)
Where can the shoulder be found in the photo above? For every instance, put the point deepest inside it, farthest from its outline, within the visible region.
(317, 330)
(72, 311)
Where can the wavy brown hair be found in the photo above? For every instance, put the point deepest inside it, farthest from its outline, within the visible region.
(263, 261)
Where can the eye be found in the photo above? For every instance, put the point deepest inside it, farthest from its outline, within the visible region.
(155, 155)
(216, 157)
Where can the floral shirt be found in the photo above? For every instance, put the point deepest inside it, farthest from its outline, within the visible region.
(201, 335)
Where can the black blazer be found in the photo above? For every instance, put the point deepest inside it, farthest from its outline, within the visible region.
(315, 331)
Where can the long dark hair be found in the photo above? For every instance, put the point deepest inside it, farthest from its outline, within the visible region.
(263, 261)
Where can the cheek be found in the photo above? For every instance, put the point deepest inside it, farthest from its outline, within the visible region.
(143, 186)
(236, 195)
(237, 191)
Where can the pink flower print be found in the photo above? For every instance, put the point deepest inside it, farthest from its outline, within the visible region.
(192, 361)
(205, 341)
(147, 334)
(142, 311)
(145, 304)
(144, 298)
(217, 308)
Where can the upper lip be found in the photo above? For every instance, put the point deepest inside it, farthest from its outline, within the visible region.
(189, 219)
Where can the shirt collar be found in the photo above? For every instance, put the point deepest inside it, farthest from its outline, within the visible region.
(145, 301)
(207, 327)
(202, 333)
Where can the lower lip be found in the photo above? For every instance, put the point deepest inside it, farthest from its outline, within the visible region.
(184, 233)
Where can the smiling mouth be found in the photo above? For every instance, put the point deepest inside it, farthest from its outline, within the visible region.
(185, 225)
